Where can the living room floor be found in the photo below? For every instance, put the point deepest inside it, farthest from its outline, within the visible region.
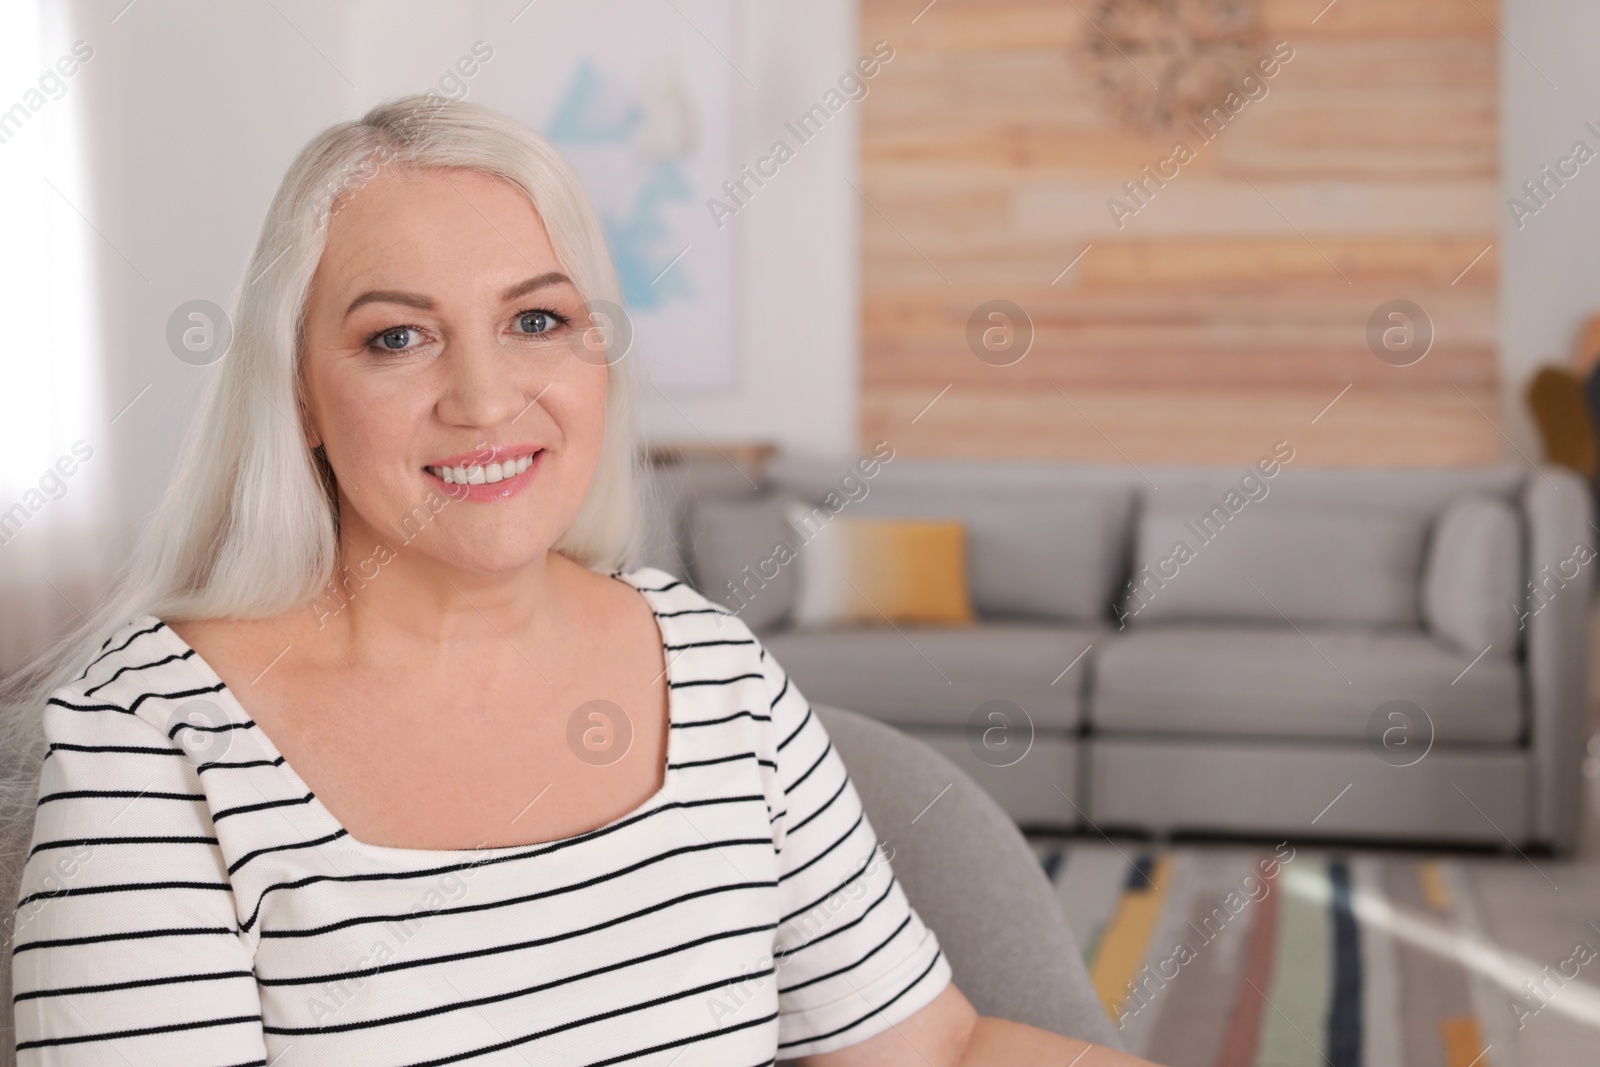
(1389, 957)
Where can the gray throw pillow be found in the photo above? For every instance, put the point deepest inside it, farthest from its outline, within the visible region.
(1472, 588)
(1270, 561)
(733, 549)
(1051, 557)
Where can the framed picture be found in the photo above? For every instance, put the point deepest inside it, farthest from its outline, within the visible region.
(639, 97)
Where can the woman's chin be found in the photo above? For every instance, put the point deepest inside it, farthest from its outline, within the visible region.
(495, 557)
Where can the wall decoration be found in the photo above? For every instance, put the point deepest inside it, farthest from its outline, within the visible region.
(639, 98)
(1162, 63)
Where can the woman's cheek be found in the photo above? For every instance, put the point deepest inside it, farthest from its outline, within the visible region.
(580, 409)
(371, 430)
(581, 425)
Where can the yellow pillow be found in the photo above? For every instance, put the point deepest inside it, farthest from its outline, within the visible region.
(865, 569)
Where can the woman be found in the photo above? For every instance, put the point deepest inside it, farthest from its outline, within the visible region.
(378, 757)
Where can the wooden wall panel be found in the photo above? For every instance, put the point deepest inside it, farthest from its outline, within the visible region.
(1231, 308)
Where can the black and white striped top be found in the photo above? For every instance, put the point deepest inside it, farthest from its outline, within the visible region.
(194, 904)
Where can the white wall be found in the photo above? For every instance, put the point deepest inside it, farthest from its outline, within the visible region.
(195, 109)
(1550, 266)
(798, 247)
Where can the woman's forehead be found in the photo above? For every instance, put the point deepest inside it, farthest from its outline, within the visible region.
(452, 228)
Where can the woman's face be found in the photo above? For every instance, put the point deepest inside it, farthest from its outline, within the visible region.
(442, 332)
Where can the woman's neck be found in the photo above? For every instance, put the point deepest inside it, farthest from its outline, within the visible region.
(400, 599)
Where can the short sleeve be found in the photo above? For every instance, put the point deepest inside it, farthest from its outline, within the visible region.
(126, 947)
(852, 956)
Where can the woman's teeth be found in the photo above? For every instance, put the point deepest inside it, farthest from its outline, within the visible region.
(479, 474)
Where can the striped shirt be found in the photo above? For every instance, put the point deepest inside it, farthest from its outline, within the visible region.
(188, 901)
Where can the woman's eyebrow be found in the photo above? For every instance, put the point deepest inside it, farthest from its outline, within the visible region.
(390, 296)
(423, 303)
(554, 277)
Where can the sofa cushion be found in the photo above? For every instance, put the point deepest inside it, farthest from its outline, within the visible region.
(1424, 490)
(1039, 789)
(865, 570)
(1039, 544)
(941, 675)
(1234, 559)
(1268, 681)
(733, 541)
(1472, 587)
(1055, 557)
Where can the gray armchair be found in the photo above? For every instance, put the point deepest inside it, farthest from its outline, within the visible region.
(973, 879)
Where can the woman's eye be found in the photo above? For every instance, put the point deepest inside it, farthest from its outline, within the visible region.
(405, 338)
(397, 339)
(537, 321)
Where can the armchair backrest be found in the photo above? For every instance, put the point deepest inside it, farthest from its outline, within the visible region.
(973, 879)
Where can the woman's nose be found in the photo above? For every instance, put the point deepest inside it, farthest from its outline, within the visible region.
(484, 385)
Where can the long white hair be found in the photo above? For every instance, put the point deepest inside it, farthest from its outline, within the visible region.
(248, 527)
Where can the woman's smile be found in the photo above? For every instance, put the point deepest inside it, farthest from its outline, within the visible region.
(488, 474)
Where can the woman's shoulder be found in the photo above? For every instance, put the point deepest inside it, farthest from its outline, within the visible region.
(673, 594)
(141, 668)
(651, 579)
(725, 648)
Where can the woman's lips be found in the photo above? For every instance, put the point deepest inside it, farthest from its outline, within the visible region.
(479, 483)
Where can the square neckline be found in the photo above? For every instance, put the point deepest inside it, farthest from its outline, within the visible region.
(345, 839)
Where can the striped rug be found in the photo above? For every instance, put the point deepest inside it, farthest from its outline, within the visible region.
(1234, 956)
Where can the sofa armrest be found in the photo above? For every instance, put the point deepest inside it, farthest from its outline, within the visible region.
(1561, 563)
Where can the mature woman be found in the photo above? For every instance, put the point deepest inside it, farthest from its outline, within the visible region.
(378, 756)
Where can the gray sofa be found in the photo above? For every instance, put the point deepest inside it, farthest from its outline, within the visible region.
(1271, 649)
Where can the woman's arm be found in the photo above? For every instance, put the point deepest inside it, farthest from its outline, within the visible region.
(837, 957)
(948, 1032)
(125, 941)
